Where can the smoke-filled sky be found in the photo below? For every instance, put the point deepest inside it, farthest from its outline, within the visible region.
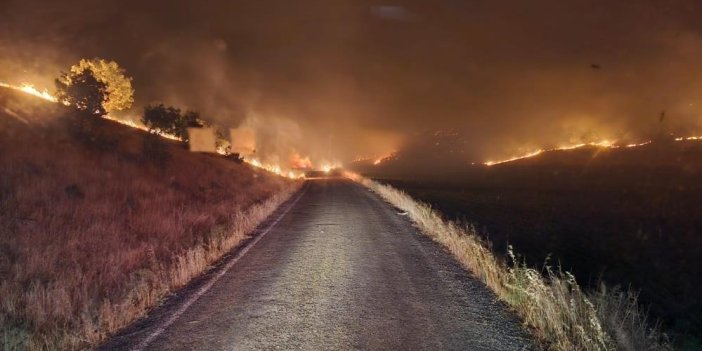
(338, 79)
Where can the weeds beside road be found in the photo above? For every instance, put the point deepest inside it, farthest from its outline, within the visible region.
(552, 305)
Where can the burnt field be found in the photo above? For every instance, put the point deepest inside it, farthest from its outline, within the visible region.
(595, 214)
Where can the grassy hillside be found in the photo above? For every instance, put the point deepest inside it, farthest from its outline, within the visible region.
(628, 216)
(93, 232)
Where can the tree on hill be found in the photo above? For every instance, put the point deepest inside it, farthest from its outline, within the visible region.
(118, 84)
(82, 91)
(163, 119)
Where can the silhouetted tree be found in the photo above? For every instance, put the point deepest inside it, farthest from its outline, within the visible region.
(170, 120)
(161, 119)
(83, 92)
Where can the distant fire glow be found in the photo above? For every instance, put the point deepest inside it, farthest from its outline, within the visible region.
(605, 144)
(377, 159)
(384, 158)
(689, 138)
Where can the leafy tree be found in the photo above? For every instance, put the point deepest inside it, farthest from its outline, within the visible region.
(119, 86)
(82, 91)
(169, 120)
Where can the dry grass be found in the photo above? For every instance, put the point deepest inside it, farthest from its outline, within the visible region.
(551, 304)
(91, 239)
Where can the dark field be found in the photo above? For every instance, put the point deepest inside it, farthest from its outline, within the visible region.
(625, 223)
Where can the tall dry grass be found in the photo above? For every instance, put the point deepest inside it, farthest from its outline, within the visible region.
(551, 303)
(91, 239)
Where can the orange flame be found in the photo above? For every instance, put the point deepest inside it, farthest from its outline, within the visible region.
(607, 144)
(30, 89)
(299, 162)
(274, 168)
(688, 138)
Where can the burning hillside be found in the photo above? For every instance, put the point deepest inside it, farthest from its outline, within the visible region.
(448, 152)
(293, 169)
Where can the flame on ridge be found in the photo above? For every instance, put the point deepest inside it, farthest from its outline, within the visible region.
(274, 168)
(376, 159)
(45, 95)
(688, 138)
(605, 144)
(30, 89)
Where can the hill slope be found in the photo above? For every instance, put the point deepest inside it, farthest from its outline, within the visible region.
(93, 232)
(627, 216)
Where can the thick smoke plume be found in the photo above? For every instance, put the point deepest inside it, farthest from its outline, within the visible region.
(337, 80)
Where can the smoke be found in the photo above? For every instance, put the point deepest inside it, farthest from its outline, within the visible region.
(201, 140)
(276, 139)
(243, 141)
(340, 79)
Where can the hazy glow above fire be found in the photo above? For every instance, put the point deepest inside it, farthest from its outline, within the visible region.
(607, 73)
